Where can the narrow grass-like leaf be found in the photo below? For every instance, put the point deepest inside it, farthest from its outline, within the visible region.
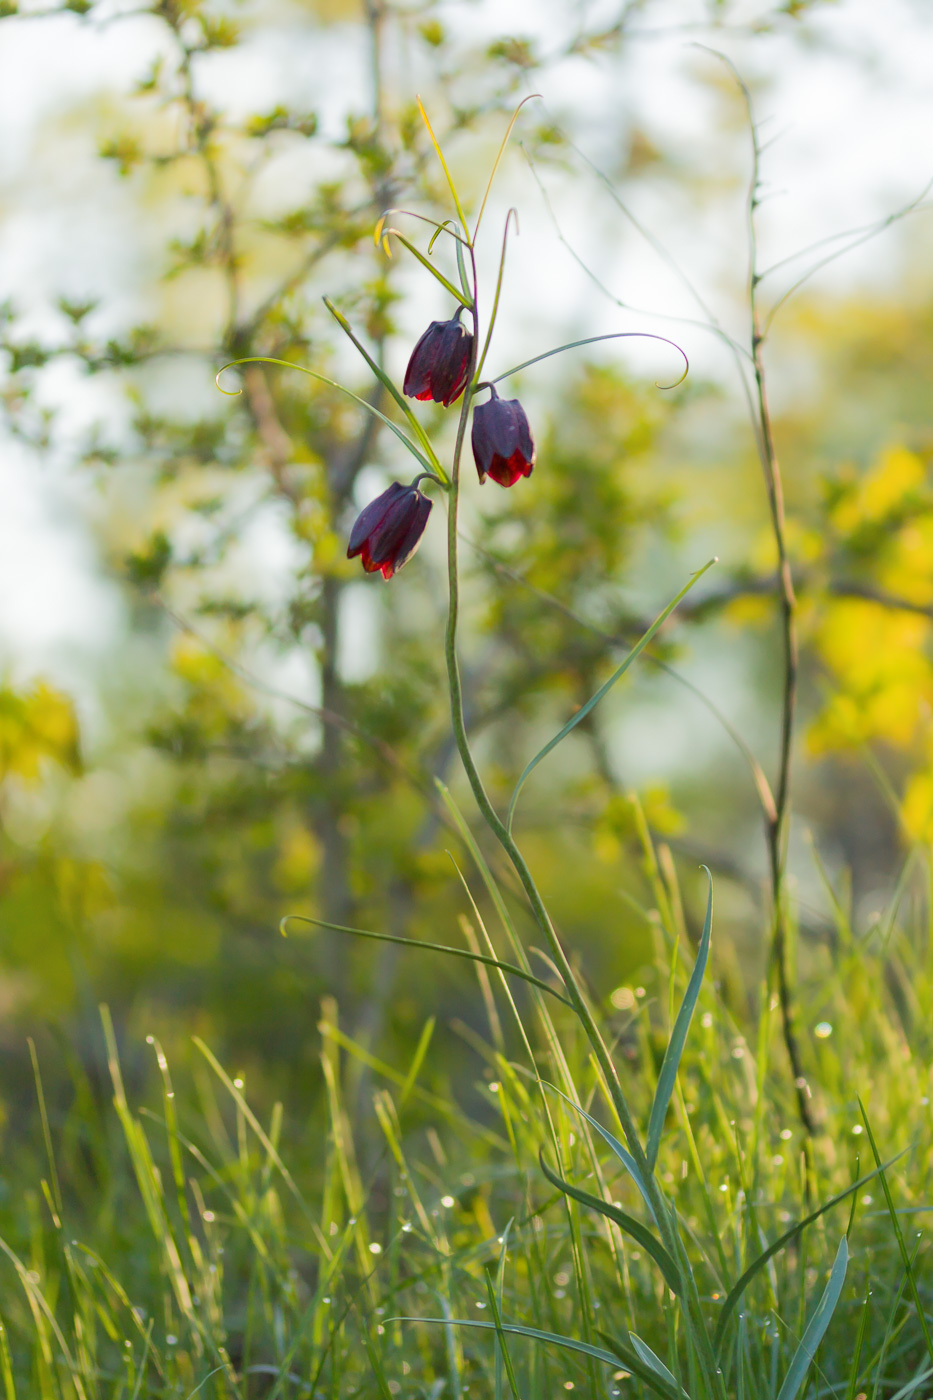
(498, 160)
(656, 1364)
(624, 1156)
(429, 948)
(203, 1382)
(462, 270)
(6, 1366)
(890, 1333)
(603, 689)
(913, 1386)
(440, 155)
(592, 340)
(435, 271)
(735, 1293)
(609, 1358)
(253, 1121)
(647, 1373)
(816, 1327)
(390, 388)
(439, 226)
(852, 1387)
(494, 1292)
(627, 1223)
(58, 1210)
(495, 301)
(421, 1049)
(333, 384)
(899, 1234)
(675, 1048)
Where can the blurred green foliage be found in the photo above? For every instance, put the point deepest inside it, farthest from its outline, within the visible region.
(268, 742)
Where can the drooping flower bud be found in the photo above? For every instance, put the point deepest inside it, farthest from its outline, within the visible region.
(388, 531)
(503, 447)
(440, 363)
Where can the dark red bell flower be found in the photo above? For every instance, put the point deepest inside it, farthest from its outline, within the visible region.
(502, 443)
(387, 533)
(440, 363)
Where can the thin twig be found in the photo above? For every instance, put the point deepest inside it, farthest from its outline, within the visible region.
(777, 827)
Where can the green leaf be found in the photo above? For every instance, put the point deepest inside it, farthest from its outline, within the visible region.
(498, 160)
(657, 1365)
(652, 1373)
(913, 1386)
(735, 1293)
(591, 340)
(390, 388)
(899, 1234)
(816, 1327)
(604, 689)
(495, 301)
(624, 1156)
(628, 1223)
(425, 947)
(323, 379)
(435, 272)
(554, 1338)
(675, 1048)
(494, 1292)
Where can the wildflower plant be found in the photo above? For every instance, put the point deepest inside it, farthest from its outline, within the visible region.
(447, 366)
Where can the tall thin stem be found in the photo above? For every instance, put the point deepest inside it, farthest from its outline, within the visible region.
(777, 823)
(666, 1226)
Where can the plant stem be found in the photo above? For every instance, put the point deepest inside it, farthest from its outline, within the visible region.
(663, 1217)
(778, 822)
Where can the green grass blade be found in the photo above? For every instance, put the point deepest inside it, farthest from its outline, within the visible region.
(498, 292)
(758, 1264)
(624, 1156)
(435, 272)
(852, 1387)
(332, 383)
(59, 1209)
(646, 1372)
(494, 1292)
(899, 1234)
(498, 160)
(421, 1050)
(6, 1366)
(913, 1386)
(430, 948)
(625, 1222)
(554, 1338)
(675, 1048)
(816, 1327)
(603, 689)
(645, 1353)
(253, 1122)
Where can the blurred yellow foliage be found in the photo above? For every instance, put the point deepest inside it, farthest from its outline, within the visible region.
(880, 490)
(36, 725)
(877, 651)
